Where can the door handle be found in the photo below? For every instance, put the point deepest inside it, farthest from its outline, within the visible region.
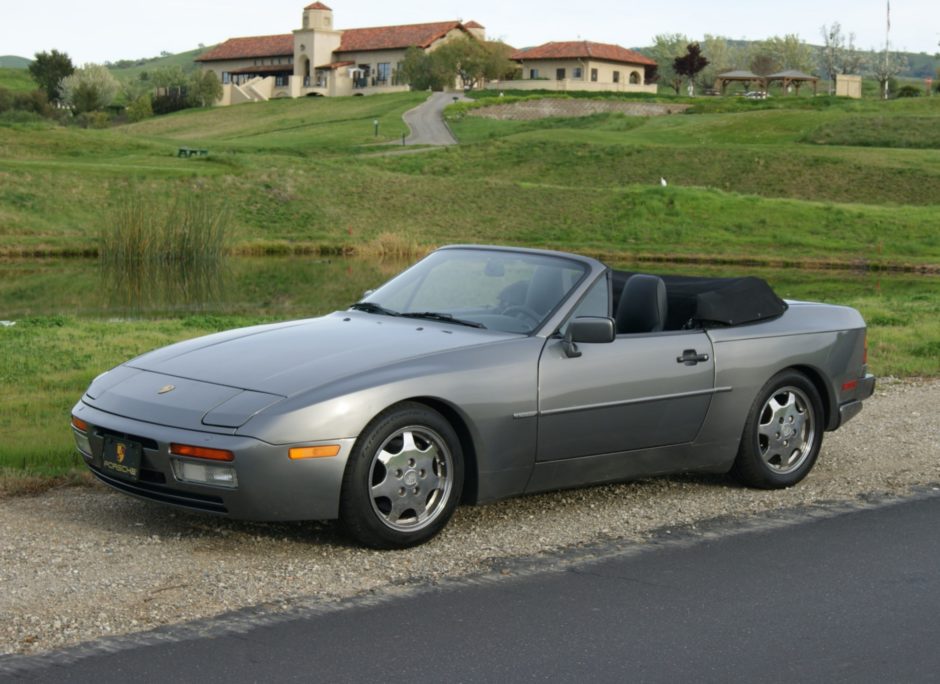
(690, 357)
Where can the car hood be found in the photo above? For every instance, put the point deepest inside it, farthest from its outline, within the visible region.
(222, 380)
(290, 358)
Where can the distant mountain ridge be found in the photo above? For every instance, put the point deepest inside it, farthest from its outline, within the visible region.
(14, 62)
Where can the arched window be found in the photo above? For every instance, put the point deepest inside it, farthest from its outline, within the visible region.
(635, 77)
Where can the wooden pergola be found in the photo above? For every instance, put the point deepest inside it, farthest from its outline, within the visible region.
(793, 78)
(740, 76)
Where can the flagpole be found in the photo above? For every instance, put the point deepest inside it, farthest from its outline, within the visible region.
(887, 44)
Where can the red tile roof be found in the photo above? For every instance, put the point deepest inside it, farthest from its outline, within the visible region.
(253, 46)
(319, 6)
(265, 69)
(395, 37)
(474, 24)
(353, 40)
(336, 65)
(582, 49)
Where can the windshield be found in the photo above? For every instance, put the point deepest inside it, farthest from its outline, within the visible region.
(505, 291)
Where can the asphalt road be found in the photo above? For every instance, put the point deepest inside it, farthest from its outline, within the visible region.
(426, 121)
(853, 597)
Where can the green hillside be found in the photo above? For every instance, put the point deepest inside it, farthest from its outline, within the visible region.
(16, 79)
(14, 62)
(837, 182)
(132, 69)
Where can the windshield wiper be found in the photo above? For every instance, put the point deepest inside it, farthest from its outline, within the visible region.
(370, 307)
(445, 317)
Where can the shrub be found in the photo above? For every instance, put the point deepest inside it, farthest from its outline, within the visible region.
(140, 109)
(18, 116)
(94, 120)
(908, 91)
(33, 101)
(6, 100)
(173, 101)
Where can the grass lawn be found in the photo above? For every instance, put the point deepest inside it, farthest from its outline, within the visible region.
(803, 182)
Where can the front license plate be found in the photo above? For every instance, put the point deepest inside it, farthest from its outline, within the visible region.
(121, 458)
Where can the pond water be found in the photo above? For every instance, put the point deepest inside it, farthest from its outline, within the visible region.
(300, 286)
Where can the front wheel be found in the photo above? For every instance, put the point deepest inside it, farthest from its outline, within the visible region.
(783, 433)
(403, 479)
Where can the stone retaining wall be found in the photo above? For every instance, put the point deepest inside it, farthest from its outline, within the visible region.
(529, 110)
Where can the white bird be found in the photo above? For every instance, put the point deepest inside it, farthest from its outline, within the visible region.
(662, 181)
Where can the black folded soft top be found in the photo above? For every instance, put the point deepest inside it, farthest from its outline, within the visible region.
(708, 302)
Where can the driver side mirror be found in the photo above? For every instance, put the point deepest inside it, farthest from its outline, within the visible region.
(590, 330)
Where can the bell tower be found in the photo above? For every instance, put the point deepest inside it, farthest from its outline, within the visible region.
(318, 17)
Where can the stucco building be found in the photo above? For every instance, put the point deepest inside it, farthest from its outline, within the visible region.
(319, 59)
(581, 65)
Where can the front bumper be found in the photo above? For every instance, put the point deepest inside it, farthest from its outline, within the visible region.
(270, 486)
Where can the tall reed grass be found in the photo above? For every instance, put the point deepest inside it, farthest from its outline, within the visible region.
(188, 227)
(161, 251)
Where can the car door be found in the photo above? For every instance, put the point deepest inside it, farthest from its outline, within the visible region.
(639, 391)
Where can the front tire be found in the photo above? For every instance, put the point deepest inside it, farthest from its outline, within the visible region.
(783, 433)
(403, 479)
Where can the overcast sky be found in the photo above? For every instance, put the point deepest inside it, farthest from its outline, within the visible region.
(100, 30)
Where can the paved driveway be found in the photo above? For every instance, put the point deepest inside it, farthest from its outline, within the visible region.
(426, 121)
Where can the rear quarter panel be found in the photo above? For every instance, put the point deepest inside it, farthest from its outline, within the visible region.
(824, 342)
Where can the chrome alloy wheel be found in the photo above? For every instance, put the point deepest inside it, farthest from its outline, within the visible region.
(411, 477)
(786, 430)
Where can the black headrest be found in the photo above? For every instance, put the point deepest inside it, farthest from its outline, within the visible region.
(545, 289)
(642, 306)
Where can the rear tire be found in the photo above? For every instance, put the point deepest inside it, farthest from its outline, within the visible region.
(403, 479)
(783, 433)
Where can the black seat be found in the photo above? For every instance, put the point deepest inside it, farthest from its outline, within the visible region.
(642, 306)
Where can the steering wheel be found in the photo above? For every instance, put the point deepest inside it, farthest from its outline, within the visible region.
(522, 311)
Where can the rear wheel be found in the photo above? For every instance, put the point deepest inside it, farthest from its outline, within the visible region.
(783, 433)
(403, 479)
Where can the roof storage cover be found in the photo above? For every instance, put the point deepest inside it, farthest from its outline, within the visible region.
(698, 302)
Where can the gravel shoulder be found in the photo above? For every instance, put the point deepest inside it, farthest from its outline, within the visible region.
(78, 563)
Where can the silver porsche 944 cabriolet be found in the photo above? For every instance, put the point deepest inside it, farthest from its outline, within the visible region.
(478, 373)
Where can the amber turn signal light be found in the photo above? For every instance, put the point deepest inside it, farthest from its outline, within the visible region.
(314, 451)
(79, 424)
(202, 452)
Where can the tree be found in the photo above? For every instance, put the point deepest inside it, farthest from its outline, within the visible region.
(497, 65)
(689, 64)
(838, 54)
(422, 72)
(722, 57)
(885, 67)
(48, 69)
(89, 89)
(204, 88)
(761, 60)
(791, 53)
(666, 47)
(169, 78)
(473, 61)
